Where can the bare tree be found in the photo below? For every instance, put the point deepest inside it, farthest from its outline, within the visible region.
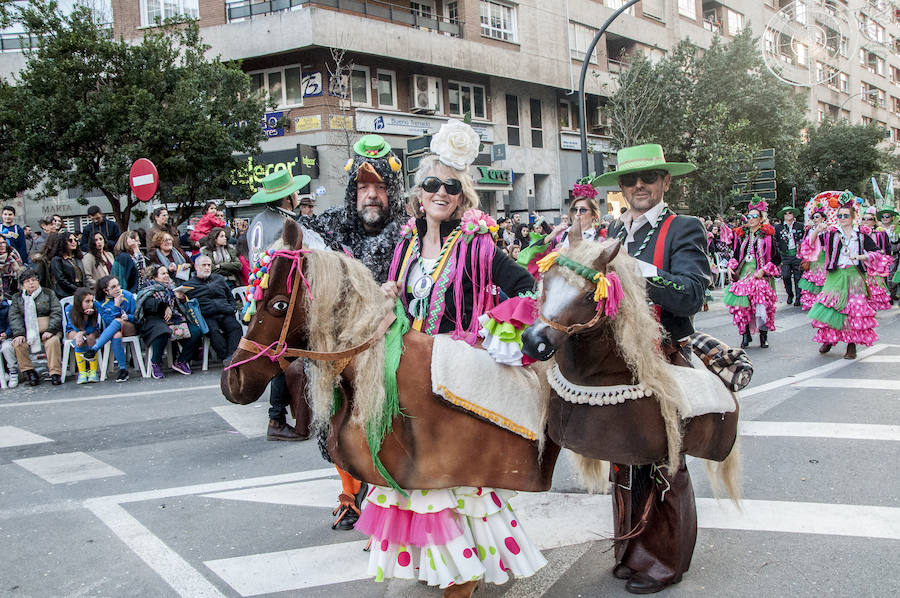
(637, 97)
(339, 70)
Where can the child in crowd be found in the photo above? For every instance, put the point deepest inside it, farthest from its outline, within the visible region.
(117, 314)
(83, 327)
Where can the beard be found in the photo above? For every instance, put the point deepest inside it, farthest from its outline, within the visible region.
(203, 275)
(373, 216)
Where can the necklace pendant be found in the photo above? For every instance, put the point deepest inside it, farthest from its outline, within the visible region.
(422, 287)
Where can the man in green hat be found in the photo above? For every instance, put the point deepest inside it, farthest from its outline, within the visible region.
(279, 194)
(671, 252)
(788, 237)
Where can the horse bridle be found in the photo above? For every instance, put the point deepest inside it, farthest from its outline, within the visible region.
(279, 352)
(585, 272)
(572, 328)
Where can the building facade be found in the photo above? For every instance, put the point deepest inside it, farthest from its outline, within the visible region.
(514, 66)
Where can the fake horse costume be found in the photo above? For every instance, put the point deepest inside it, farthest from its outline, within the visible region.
(751, 298)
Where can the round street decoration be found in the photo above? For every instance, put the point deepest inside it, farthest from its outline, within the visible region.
(144, 179)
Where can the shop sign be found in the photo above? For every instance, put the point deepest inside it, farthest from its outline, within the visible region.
(308, 123)
(494, 176)
(311, 84)
(270, 124)
(398, 123)
(572, 141)
(336, 121)
(248, 177)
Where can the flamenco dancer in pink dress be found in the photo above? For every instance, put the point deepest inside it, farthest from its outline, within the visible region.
(812, 279)
(842, 313)
(877, 268)
(751, 298)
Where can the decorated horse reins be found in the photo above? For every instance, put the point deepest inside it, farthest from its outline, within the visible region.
(278, 351)
(607, 287)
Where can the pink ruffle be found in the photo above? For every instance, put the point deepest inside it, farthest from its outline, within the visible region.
(518, 311)
(859, 325)
(879, 299)
(408, 528)
(759, 292)
(833, 337)
(770, 269)
(807, 300)
(879, 264)
(810, 251)
(815, 275)
(732, 264)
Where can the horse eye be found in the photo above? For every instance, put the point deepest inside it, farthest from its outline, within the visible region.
(589, 296)
(280, 305)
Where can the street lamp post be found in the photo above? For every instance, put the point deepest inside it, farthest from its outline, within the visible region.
(584, 67)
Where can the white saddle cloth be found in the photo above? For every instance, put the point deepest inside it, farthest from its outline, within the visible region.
(701, 391)
(508, 396)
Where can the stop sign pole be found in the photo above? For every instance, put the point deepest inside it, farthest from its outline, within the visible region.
(143, 179)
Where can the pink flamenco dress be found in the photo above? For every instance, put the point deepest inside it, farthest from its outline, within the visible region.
(752, 301)
(451, 536)
(812, 280)
(878, 268)
(842, 312)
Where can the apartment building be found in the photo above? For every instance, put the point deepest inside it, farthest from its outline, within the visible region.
(514, 66)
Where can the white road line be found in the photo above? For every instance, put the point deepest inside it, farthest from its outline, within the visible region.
(174, 570)
(315, 493)
(141, 393)
(820, 430)
(68, 467)
(813, 373)
(246, 419)
(13, 436)
(851, 383)
(883, 359)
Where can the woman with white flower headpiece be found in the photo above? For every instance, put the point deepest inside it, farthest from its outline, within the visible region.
(444, 271)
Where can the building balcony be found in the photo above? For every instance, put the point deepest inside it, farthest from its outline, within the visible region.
(242, 10)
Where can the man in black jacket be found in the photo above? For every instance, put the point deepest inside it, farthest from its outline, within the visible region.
(99, 224)
(671, 253)
(217, 306)
(788, 237)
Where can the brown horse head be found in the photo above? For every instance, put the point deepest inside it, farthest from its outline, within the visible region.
(567, 299)
(245, 383)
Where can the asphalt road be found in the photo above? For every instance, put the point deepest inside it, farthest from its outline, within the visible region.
(162, 488)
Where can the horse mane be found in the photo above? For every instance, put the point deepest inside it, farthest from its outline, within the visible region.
(346, 309)
(638, 336)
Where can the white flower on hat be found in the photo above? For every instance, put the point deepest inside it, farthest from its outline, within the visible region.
(456, 144)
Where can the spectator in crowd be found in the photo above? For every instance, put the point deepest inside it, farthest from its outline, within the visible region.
(7, 351)
(14, 234)
(83, 328)
(65, 266)
(41, 259)
(47, 228)
(29, 240)
(160, 218)
(99, 224)
(170, 256)
(35, 319)
(509, 237)
(224, 257)
(243, 251)
(57, 223)
(161, 317)
(307, 205)
(130, 262)
(522, 235)
(213, 294)
(116, 307)
(10, 266)
(212, 218)
(97, 262)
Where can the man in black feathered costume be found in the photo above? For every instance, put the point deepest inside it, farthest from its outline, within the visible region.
(368, 224)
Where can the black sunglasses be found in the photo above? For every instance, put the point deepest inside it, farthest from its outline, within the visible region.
(648, 178)
(451, 186)
(579, 210)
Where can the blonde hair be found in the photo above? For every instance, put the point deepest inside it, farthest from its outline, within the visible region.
(468, 201)
(159, 237)
(591, 204)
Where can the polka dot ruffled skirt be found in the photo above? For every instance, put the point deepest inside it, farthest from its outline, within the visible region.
(446, 537)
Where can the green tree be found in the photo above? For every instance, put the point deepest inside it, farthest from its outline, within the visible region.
(90, 105)
(840, 156)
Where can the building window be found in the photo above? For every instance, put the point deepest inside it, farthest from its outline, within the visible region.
(844, 82)
(512, 120)
(466, 97)
(151, 10)
(452, 11)
(387, 89)
(801, 53)
(688, 8)
(537, 133)
(580, 38)
(422, 8)
(620, 4)
(498, 20)
(800, 11)
(360, 94)
(566, 116)
(283, 86)
(735, 22)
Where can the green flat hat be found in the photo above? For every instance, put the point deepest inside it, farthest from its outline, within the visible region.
(277, 185)
(887, 210)
(784, 210)
(372, 146)
(638, 158)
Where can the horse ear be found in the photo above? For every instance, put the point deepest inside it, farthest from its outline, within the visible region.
(575, 233)
(291, 234)
(607, 254)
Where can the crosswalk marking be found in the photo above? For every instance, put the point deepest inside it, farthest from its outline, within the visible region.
(140, 393)
(315, 493)
(882, 359)
(13, 436)
(867, 383)
(249, 420)
(821, 430)
(68, 467)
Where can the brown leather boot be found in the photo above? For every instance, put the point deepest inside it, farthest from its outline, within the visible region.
(281, 431)
(851, 351)
(825, 348)
(461, 590)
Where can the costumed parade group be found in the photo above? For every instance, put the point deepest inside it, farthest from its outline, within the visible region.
(590, 337)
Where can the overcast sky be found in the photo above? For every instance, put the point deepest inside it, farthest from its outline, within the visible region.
(66, 6)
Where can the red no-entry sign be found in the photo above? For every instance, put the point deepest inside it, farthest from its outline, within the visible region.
(144, 179)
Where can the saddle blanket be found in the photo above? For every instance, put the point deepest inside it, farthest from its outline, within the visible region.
(508, 396)
(701, 391)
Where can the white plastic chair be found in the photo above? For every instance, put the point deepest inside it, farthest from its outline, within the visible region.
(68, 344)
(239, 293)
(137, 355)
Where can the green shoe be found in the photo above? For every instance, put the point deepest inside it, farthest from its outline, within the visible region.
(82, 378)
(93, 377)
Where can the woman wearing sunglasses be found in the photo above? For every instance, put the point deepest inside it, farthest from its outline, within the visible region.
(751, 298)
(444, 271)
(813, 277)
(842, 313)
(877, 268)
(887, 217)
